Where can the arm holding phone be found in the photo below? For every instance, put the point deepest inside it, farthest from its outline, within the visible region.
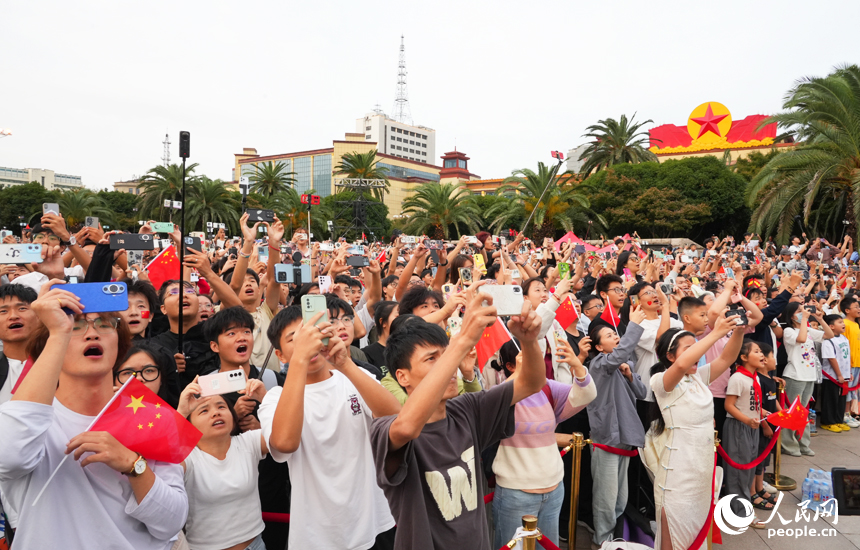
(248, 234)
(276, 233)
(406, 276)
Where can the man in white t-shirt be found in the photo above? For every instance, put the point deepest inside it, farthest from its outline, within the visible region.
(319, 423)
(655, 305)
(17, 323)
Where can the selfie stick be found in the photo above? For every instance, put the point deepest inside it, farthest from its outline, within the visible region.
(560, 158)
(184, 153)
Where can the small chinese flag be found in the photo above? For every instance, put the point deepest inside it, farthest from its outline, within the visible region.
(163, 267)
(794, 418)
(610, 316)
(566, 313)
(491, 341)
(381, 258)
(145, 424)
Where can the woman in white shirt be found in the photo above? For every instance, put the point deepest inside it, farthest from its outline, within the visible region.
(545, 305)
(224, 511)
(112, 497)
(800, 373)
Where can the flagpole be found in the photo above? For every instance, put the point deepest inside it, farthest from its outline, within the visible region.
(96, 419)
(184, 152)
(514, 340)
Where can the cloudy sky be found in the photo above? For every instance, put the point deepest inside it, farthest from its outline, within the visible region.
(90, 87)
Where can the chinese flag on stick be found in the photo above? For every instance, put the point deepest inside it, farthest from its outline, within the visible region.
(566, 313)
(794, 418)
(491, 341)
(163, 267)
(144, 423)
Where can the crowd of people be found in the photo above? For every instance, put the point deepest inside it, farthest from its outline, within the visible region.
(382, 422)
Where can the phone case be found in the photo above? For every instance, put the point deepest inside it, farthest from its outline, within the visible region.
(358, 261)
(20, 253)
(99, 297)
(260, 215)
(193, 243)
(311, 305)
(132, 241)
(564, 270)
(508, 299)
(479, 263)
(286, 273)
(91, 221)
(466, 275)
(51, 207)
(219, 383)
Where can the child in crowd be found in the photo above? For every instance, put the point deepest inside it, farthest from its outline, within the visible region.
(762, 498)
(741, 429)
(613, 418)
(836, 363)
(851, 308)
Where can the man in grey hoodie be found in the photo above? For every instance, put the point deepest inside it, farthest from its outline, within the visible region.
(613, 419)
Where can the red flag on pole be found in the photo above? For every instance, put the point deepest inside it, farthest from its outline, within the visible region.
(566, 313)
(145, 424)
(491, 341)
(163, 267)
(610, 317)
(794, 418)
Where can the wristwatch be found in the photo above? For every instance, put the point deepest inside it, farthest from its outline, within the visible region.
(138, 468)
(73, 241)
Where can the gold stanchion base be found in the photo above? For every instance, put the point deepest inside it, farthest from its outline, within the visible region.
(784, 483)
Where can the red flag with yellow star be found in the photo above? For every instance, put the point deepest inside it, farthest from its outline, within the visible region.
(794, 418)
(163, 267)
(491, 341)
(144, 423)
(566, 313)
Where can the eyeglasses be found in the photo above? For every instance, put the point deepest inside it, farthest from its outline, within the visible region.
(175, 291)
(648, 293)
(597, 306)
(207, 306)
(102, 326)
(148, 373)
(43, 236)
(617, 290)
(346, 320)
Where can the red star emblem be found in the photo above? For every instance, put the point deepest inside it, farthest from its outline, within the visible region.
(709, 122)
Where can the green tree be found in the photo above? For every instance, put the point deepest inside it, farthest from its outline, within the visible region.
(212, 202)
(492, 206)
(820, 178)
(363, 166)
(23, 204)
(750, 166)
(434, 209)
(552, 197)
(164, 183)
(342, 215)
(77, 204)
(270, 178)
(664, 211)
(615, 142)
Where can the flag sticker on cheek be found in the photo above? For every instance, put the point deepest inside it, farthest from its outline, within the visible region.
(144, 314)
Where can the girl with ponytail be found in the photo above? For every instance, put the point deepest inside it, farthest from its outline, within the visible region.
(679, 447)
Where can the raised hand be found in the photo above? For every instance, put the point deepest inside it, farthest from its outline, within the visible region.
(637, 315)
(625, 370)
(189, 398)
(49, 307)
(477, 318)
(309, 339)
(275, 230)
(525, 326)
(248, 233)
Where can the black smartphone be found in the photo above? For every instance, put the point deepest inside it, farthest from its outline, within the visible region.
(358, 261)
(740, 314)
(260, 215)
(193, 243)
(132, 241)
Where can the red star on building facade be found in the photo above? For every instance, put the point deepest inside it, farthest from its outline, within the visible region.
(709, 122)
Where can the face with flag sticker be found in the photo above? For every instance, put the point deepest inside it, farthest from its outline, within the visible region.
(138, 313)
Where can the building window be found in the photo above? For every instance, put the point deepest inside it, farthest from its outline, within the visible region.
(302, 168)
(368, 137)
(367, 128)
(322, 175)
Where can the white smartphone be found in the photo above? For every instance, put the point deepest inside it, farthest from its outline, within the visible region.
(508, 299)
(222, 382)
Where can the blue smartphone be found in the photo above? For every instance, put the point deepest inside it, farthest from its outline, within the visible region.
(20, 253)
(99, 297)
(286, 273)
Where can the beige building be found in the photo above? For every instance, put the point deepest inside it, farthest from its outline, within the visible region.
(49, 179)
(397, 139)
(314, 168)
(127, 187)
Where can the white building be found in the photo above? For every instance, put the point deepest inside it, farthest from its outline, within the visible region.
(48, 178)
(416, 143)
(573, 162)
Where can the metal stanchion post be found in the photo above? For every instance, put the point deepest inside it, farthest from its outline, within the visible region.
(780, 482)
(529, 524)
(710, 538)
(577, 442)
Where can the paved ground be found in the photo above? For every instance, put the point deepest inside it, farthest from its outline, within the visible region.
(842, 449)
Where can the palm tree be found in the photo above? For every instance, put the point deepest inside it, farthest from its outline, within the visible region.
(164, 183)
(269, 178)
(436, 207)
(558, 205)
(211, 201)
(615, 142)
(363, 166)
(819, 179)
(77, 204)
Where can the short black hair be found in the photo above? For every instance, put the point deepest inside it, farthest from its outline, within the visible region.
(389, 279)
(146, 289)
(381, 313)
(689, 303)
(162, 359)
(416, 296)
(305, 289)
(846, 303)
(402, 343)
(224, 320)
(602, 284)
(22, 292)
(347, 280)
(164, 286)
(832, 318)
(281, 321)
(588, 298)
(227, 276)
(335, 304)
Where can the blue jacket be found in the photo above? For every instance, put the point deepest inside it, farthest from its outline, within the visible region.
(763, 332)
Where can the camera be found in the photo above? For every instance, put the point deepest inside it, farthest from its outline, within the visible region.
(667, 288)
(810, 309)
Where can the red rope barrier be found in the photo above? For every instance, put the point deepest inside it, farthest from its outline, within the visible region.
(489, 498)
(547, 544)
(276, 517)
(755, 462)
(615, 450)
(845, 388)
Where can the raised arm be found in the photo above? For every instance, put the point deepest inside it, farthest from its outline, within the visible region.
(691, 355)
(200, 261)
(249, 234)
(406, 276)
(275, 231)
(532, 376)
(379, 400)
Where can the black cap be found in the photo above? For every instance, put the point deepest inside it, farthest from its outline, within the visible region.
(785, 251)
